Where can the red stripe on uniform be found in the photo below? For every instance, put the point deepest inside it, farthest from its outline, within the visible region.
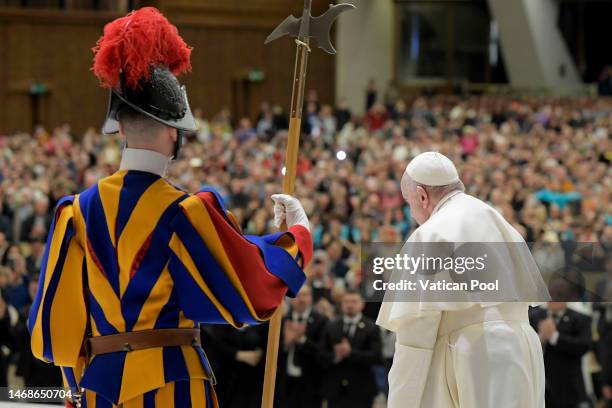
(95, 259)
(264, 290)
(140, 255)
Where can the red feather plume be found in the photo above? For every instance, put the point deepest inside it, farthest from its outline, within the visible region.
(134, 43)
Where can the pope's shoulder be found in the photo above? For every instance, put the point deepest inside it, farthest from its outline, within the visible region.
(462, 217)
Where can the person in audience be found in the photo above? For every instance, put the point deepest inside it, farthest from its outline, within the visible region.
(351, 346)
(237, 357)
(566, 336)
(36, 226)
(604, 330)
(607, 377)
(6, 340)
(299, 372)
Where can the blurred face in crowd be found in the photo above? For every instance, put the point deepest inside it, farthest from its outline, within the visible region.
(606, 236)
(303, 300)
(5, 278)
(557, 307)
(318, 268)
(41, 207)
(561, 291)
(33, 288)
(352, 304)
(37, 248)
(334, 251)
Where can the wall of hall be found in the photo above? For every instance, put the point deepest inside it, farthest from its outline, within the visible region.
(365, 46)
(534, 50)
(53, 47)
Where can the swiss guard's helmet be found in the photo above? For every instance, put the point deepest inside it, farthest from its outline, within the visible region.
(138, 59)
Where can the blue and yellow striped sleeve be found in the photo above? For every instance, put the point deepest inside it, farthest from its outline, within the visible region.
(223, 276)
(58, 316)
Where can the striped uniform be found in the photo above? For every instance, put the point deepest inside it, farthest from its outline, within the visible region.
(134, 253)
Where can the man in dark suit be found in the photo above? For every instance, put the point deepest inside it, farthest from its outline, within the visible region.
(604, 328)
(36, 226)
(607, 376)
(5, 339)
(237, 358)
(351, 346)
(299, 366)
(566, 336)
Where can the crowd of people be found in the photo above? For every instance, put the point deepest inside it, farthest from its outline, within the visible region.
(544, 163)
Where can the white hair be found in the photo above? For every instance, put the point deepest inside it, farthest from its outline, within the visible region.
(435, 192)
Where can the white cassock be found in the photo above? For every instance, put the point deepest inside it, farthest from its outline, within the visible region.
(470, 354)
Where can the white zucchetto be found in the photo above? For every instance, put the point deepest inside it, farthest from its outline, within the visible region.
(432, 169)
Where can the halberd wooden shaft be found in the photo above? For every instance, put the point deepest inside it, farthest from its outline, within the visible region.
(293, 145)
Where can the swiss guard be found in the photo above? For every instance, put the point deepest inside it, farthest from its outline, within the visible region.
(133, 265)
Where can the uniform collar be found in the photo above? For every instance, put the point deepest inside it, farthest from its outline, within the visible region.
(445, 199)
(144, 160)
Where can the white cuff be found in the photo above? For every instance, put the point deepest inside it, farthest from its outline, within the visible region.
(408, 376)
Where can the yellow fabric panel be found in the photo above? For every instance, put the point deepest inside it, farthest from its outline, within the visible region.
(79, 369)
(109, 189)
(233, 221)
(198, 394)
(68, 311)
(158, 297)
(102, 290)
(143, 371)
(64, 216)
(193, 362)
(288, 244)
(213, 397)
(64, 380)
(90, 396)
(37, 340)
(94, 328)
(184, 322)
(181, 252)
(140, 225)
(200, 219)
(165, 396)
(136, 402)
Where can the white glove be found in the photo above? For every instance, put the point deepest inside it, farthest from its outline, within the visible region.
(290, 209)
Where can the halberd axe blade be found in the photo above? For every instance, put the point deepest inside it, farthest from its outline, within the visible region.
(308, 26)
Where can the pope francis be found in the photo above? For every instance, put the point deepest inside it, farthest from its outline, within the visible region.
(467, 354)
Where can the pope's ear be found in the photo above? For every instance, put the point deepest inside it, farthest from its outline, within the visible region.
(422, 195)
